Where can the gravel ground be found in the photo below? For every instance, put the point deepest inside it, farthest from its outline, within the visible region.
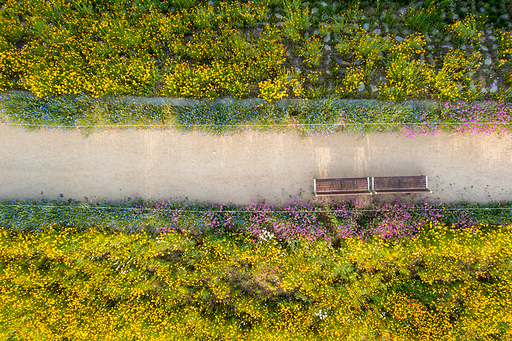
(242, 167)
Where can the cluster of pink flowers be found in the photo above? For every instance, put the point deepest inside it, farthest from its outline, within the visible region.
(488, 117)
(313, 220)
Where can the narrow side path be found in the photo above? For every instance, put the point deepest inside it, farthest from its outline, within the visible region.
(239, 168)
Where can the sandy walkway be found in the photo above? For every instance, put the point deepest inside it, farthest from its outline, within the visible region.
(239, 168)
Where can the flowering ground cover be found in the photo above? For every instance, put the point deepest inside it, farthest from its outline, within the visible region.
(309, 271)
(390, 50)
(307, 118)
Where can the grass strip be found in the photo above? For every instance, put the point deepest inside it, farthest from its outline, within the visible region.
(307, 118)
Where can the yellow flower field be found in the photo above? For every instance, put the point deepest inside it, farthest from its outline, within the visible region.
(199, 50)
(444, 284)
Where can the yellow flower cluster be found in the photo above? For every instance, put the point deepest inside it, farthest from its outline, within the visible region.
(505, 45)
(312, 51)
(354, 77)
(79, 55)
(78, 48)
(465, 30)
(407, 73)
(224, 63)
(505, 53)
(12, 29)
(453, 81)
(207, 80)
(296, 22)
(10, 65)
(273, 89)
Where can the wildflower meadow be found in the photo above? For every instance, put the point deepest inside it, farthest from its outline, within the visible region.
(389, 50)
(318, 270)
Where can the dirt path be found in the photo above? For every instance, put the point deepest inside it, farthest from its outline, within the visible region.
(239, 168)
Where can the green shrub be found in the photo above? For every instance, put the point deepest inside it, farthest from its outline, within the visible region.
(296, 23)
(425, 18)
(311, 51)
(465, 31)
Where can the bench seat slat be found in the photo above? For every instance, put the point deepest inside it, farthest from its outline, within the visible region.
(342, 186)
(400, 184)
(405, 191)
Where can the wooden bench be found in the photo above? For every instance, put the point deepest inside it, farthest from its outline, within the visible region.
(343, 186)
(400, 184)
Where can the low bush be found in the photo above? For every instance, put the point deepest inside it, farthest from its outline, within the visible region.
(296, 23)
(311, 50)
(426, 17)
(465, 31)
(220, 118)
